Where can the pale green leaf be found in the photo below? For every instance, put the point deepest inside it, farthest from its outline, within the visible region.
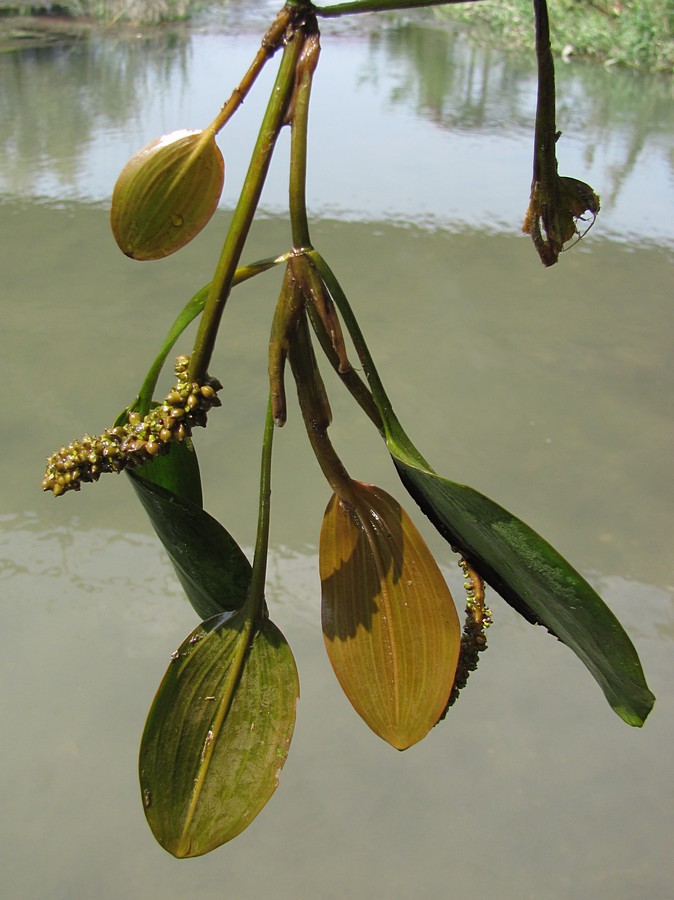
(217, 734)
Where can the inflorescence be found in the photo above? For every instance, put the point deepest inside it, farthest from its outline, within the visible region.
(473, 637)
(139, 441)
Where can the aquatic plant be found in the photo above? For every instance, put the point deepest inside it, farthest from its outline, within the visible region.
(220, 726)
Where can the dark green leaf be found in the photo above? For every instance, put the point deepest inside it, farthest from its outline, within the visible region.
(532, 576)
(177, 471)
(217, 734)
(211, 566)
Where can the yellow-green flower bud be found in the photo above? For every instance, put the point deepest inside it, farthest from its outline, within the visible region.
(166, 194)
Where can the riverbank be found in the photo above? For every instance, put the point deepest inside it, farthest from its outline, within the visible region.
(638, 34)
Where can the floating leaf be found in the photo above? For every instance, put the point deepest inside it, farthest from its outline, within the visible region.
(390, 626)
(212, 568)
(530, 575)
(166, 194)
(217, 734)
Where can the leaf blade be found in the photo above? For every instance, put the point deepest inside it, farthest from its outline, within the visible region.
(535, 579)
(217, 734)
(213, 570)
(390, 627)
(176, 471)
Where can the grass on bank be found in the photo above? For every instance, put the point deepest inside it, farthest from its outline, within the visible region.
(634, 33)
(145, 12)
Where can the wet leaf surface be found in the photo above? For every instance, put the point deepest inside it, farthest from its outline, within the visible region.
(389, 622)
(217, 734)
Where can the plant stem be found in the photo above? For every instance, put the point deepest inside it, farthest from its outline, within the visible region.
(284, 327)
(190, 311)
(298, 142)
(545, 206)
(388, 417)
(316, 412)
(353, 328)
(545, 135)
(368, 6)
(255, 600)
(245, 208)
(351, 379)
(271, 41)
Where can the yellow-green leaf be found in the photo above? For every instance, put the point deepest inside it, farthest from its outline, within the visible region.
(389, 622)
(166, 194)
(217, 734)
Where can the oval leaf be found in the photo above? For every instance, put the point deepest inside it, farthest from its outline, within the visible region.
(389, 622)
(212, 568)
(217, 734)
(533, 578)
(166, 194)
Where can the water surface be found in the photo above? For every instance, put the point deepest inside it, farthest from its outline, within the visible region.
(548, 390)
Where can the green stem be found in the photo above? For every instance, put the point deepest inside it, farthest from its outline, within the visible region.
(245, 209)
(298, 142)
(256, 602)
(343, 305)
(271, 41)
(367, 6)
(351, 379)
(254, 611)
(318, 298)
(388, 416)
(190, 311)
(316, 413)
(284, 327)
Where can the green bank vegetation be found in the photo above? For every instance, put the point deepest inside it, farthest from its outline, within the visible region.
(147, 12)
(635, 33)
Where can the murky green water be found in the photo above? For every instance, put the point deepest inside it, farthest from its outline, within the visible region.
(548, 390)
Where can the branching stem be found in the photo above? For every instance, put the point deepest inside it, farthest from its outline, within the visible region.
(245, 209)
(316, 413)
(298, 143)
(271, 42)
(256, 601)
(369, 6)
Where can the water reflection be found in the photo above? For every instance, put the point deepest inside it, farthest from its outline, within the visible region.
(57, 103)
(433, 99)
(528, 789)
(617, 121)
(462, 85)
(453, 82)
(550, 391)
